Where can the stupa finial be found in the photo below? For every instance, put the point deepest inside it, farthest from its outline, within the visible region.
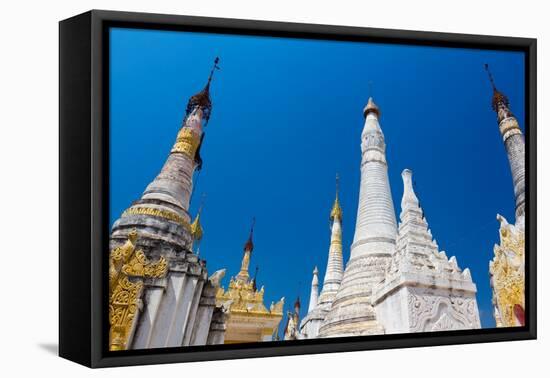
(249, 245)
(336, 212)
(214, 68)
(202, 99)
(498, 97)
(371, 108)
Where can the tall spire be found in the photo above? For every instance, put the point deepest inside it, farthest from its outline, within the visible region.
(248, 248)
(499, 99)
(314, 295)
(514, 143)
(335, 264)
(202, 99)
(507, 273)
(162, 218)
(374, 239)
(319, 304)
(200, 104)
(336, 212)
(166, 199)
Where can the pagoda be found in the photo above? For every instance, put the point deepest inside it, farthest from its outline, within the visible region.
(507, 269)
(352, 313)
(160, 292)
(319, 305)
(248, 319)
(396, 280)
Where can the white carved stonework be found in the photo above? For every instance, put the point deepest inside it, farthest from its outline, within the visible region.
(439, 295)
(437, 312)
(352, 313)
(396, 280)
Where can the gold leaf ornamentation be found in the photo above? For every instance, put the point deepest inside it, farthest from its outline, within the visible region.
(127, 270)
(187, 142)
(139, 266)
(507, 271)
(158, 213)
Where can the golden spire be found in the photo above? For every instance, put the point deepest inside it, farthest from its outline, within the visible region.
(336, 212)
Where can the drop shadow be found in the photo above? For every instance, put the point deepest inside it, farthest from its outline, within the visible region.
(51, 348)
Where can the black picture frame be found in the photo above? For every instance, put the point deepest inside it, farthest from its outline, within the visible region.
(84, 187)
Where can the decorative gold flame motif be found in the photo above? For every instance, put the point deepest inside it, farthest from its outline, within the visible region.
(127, 269)
(196, 228)
(507, 272)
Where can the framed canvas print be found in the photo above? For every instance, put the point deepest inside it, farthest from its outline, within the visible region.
(234, 188)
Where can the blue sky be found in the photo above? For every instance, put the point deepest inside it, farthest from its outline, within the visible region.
(287, 116)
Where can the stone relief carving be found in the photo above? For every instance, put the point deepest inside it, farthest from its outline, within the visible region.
(436, 313)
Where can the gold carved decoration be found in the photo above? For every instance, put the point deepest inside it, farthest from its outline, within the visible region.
(507, 270)
(161, 213)
(196, 228)
(139, 266)
(249, 320)
(243, 274)
(336, 212)
(123, 306)
(127, 269)
(187, 142)
(245, 298)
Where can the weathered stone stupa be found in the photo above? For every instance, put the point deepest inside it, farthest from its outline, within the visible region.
(160, 293)
(507, 269)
